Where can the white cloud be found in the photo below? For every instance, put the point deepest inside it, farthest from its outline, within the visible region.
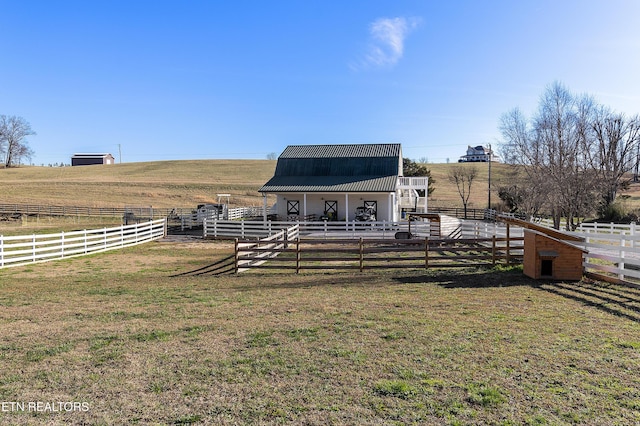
(386, 42)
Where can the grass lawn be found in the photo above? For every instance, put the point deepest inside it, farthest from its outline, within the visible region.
(150, 335)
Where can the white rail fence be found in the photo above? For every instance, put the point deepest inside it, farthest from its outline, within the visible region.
(613, 251)
(22, 250)
(194, 220)
(265, 248)
(478, 229)
(258, 229)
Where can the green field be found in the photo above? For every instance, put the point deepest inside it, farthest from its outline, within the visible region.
(141, 337)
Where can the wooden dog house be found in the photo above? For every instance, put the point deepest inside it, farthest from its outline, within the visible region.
(549, 257)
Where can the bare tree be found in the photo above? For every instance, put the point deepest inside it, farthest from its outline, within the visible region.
(463, 177)
(553, 151)
(272, 156)
(13, 145)
(613, 152)
(521, 194)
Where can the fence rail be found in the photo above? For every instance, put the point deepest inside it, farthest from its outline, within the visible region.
(256, 253)
(360, 254)
(21, 250)
(475, 214)
(322, 229)
(186, 214)
(613, 252)
(33, 209)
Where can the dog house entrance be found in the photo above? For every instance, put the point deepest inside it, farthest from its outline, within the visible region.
(546, 267)
(546, 262)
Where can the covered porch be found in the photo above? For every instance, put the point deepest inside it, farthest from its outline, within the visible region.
(334, 206)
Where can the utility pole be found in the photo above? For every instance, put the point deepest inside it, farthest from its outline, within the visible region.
(490, 155)
(120, 153)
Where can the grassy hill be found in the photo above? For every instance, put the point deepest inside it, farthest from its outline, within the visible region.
(159, 184)
(188, 183)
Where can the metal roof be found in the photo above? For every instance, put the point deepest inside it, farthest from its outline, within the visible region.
(337, 151)
(330, 184)
(336, 168)
(83, 155)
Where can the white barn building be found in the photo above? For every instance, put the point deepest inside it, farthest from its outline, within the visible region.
(313, 182)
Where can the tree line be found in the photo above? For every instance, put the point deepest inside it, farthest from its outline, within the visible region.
(574, 157)
(13, 143)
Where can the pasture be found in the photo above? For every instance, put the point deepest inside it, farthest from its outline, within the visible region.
(172, 184)
(153, 334)
(187, 183)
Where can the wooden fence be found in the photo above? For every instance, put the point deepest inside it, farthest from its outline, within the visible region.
(474, 214)
(186, 217)
(34, 210)
(360, 254)
(21, 250)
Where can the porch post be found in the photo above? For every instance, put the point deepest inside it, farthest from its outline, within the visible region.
(391, 206)
(264, 207)
(346, 207)
(304, 206)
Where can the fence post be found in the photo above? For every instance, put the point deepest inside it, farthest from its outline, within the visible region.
(34, 247)
(235, 261)
(621, 263)
(298, 255)
(361, 254)
(493, 250)
(285, 234)
(62, 244)
(1, 251)
(426, 253)
(508, 245)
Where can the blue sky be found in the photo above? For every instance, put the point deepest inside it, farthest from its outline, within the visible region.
(169, 80)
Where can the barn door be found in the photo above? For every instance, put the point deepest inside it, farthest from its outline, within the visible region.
(293, 207)
(331, 209)
(372, 204)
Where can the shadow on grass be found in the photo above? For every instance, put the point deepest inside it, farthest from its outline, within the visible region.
(614, 299)
(222, 266)
(470, 278)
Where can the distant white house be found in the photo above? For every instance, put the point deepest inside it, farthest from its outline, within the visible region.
(479, 154)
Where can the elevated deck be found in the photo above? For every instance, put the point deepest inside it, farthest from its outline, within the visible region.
(412, 193)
